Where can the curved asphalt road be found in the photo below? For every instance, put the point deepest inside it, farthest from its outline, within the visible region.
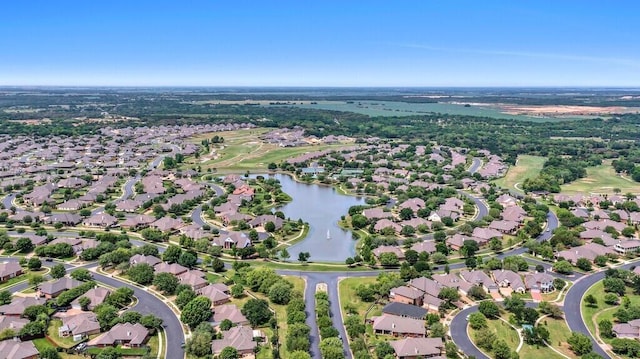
(147, 304)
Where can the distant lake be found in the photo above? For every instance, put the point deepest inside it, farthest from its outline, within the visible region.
(321, 207)
(394, 108)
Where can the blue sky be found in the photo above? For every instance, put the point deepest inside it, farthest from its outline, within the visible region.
(320, 43)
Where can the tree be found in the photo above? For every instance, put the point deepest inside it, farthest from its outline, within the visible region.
(489, 309)
(611, 298)
(529, 315)
(270, 227)
(24, 245)
(188, 259)
(411, 256)
(49, 353)
(563, 267)
(477, 321)
(172, 254)
(226, 325)
(184, 297)
(150, 321)
(84, 302)
(358, 221)
(469, 248)
(614, 285)
(389, 259)
(485, 339)
(217, 265)
(120, 297)
(584, 264)
(199, 345)
(237, 291)
(257, 312)
(284, 254)
(108, 353)
(34, 263)
(303, 257)
(166, 282)
(383, 349)
(81, 274)
(501, 349)
(600, 261)
(280, 293)
(476, 292)
(196, 311)
(229, 353)
(606, 328)
(449, 294)
(5, 297)
(33, 329)
(106, 314)
(35, 279)
(57, 271)
(580, 343)
(141, 273)
(299, 354)
(331, 348)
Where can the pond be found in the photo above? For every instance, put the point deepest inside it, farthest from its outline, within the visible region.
(321, 207)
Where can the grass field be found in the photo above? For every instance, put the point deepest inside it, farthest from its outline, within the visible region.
(243, 150)
(602, 179)
(502, 330)
(347, 293)
(592, 315)
(526, 167)
(559, 332)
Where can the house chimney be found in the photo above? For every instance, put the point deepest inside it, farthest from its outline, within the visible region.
(128, 334)
(393, 325)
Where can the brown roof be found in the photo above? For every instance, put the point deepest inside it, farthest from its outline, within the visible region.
(229, 311)
(396, 324)
(240, 338)
(18, 350)
(417, 347)
(135, 334)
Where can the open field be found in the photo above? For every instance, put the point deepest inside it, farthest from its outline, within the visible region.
(526, 167)
(502, 330)
(243, 150)
(347, 293)
(602, 179)
(559, 332)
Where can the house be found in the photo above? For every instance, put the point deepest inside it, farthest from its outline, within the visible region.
(486, 234)
(232, 239)
(137, 222)
(386, 223)
(230, 312)
(51, 290)
(398, 326)
(424, 246)
(514, 214)
(627, 246)
(141, 258)
(127, 205)
(218, 293)
(541, 282)
(241, 338)
(426, 286)
(589, 251)
(508, 279)
(13, 323)
(415, 204)
(261, 220)
(388, 249)
(173, 268)
(456, 241)
(79, 325)
(506, 200)
(630, 330)
(167, 224)
(193, 278)
(376, 213)
(404, 310)
(9, 270)
(96, 295)
(12, 349)
(452, 281)
(506, 227)
(479, 278)
(125, 334)
(71, 205)
(18, 305)
(101, 220)
(406, 295)
(67, 219)
(414, 348)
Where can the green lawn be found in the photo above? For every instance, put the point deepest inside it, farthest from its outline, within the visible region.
(526, 167)
(559, 332)
(62, 342)
(603, 310)
(534, 352)
(502, 330)
(602, 179)
(347, 293)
